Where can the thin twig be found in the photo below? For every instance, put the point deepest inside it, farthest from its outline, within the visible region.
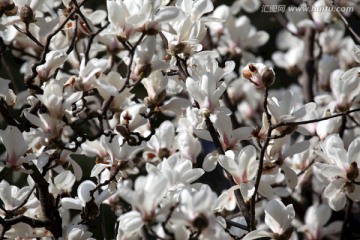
(355, 36)
(29, 35)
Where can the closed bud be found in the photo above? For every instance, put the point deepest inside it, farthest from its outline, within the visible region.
(259, 74)
(27, 14)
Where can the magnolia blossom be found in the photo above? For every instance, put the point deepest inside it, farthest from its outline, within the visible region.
(316, 217)
(84, 196)
(147, 194)
(243, 169)
(15, 145)
(278, 218)
(341, 170)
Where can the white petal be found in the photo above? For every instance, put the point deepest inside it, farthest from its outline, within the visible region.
(98, 168)
(330, 171)
(210, 162)
(131, 222)
(64, 180)
(71, 203)
(258, 234)
(166, 14)
(296, 148)
(291, 178)
(251, 6)
(331, 229)
(84, 189)
(354, 152)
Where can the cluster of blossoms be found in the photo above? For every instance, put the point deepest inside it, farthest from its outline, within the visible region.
(156, 119)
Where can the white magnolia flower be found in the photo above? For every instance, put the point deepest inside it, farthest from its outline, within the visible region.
(15, 146)
(341, 169)
(278, 218)
(12, 196)
(84, 196)
(316, 217)
(110, 86)
(131, 16)
(162, 144)
(178, 171)
(284, 109)
(196, 208)
(54, 59)
(57, 99)
(243, 169)
(147, 194)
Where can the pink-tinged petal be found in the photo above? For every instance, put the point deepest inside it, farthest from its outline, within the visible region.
(291, 178)
(72, 203)
(84, 189)
(296, 148)
(131, 222)
(35, 120)
(258, 234)
(223, 124)
(231, 166)
(278, 217)
(13, 141)
(227, 199)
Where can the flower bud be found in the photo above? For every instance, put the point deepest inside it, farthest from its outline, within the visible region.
(259, 74)
(27, 14)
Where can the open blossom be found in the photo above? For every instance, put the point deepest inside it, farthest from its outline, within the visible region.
(147, 194)
(316, 219)
(243, 169)
(278, 218)
(341, 169)
(15, 145)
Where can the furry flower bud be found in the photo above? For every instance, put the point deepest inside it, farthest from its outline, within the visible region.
(259, 74)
